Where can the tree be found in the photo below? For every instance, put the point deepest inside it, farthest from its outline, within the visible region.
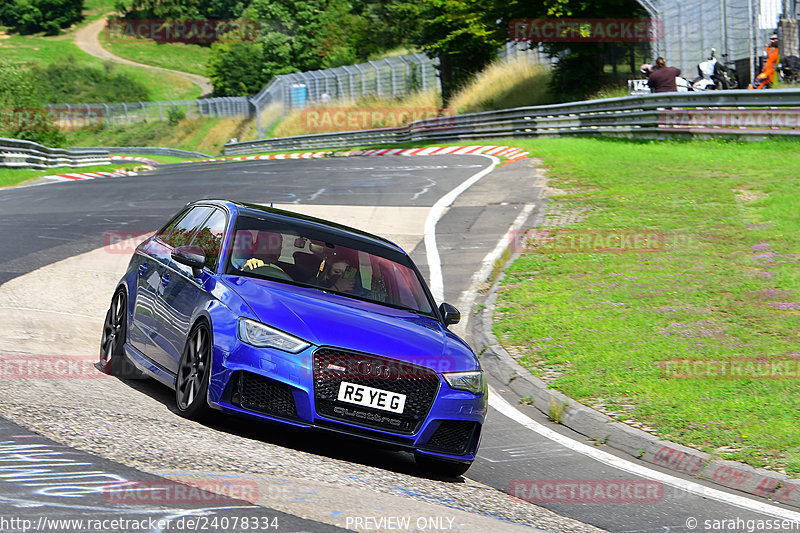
(464, 34)
(181, 9)
(32, 16)
(297, 36)
(578, 71)
(235, 69)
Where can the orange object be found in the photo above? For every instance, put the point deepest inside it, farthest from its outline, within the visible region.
(768, 74)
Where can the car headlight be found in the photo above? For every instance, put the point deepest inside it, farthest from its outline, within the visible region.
(469, 381)
(263, 336)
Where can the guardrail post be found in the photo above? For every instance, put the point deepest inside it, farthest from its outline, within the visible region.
(377, 79)
(394, 78)
(363, 80)
(408, 74)
(257, 111)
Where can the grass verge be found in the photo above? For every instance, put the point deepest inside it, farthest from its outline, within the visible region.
(377, 113)
(47, 50)
(206, 135)
(183, 57)
(611, 329)
(10, 177)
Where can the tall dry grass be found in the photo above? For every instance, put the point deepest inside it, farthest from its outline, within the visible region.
(297, 122)
(503, 85)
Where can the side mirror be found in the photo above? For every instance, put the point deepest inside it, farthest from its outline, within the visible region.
(192, 256)
(450, 314)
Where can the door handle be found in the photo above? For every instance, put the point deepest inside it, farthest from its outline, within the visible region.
(143, 269)
(165, 280)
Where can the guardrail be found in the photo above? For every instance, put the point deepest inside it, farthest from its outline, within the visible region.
(743, 114)
(140, 150)
(16, 153)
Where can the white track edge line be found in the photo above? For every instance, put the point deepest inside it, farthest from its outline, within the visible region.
(431, 251)
(503, 407)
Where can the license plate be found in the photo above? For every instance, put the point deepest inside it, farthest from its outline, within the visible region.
(369, 397)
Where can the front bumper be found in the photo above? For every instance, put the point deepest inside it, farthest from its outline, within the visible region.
(299, 390)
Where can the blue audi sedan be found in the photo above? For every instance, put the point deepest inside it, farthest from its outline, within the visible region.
(277, 316)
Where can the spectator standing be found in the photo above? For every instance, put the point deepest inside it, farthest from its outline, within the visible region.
(662, 77)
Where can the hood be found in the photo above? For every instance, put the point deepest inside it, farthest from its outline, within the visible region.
(325, 319)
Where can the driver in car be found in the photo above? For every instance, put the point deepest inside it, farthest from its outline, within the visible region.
(265, 254)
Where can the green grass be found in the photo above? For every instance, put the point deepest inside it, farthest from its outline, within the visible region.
(46, 50)
(10, 177)
(597, 325)
(94, 9)
(183, 57)
(206, 135)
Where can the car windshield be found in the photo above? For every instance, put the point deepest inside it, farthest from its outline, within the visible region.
(327, 261)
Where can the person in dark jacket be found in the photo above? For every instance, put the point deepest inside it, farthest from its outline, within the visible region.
(662, 77)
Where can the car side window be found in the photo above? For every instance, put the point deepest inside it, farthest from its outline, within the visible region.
(164, 232)
(209, 237)
(182, 232)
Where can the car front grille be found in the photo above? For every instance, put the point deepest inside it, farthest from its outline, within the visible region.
(263, 395)
(453, 437)
(418, 384)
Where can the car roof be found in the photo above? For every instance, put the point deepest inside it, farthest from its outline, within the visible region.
(245, 208)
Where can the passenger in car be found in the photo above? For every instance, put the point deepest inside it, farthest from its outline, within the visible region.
(339, 274)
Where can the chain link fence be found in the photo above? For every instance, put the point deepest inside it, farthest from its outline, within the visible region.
(125, 113)
(737, 29)
(385, 78)
(391, 77)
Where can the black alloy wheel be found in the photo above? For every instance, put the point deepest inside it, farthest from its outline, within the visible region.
(191, 387)
(112, 355)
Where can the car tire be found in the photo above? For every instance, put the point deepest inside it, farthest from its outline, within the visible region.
(112, 344)
(441, 468)
(191, 384)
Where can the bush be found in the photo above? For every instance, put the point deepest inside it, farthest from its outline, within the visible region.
(70, 83)
(175, 115)
(20, 113)
(234, 69)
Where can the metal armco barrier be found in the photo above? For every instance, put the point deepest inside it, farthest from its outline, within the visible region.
(16, 153)
(744, 114)
(140, 150)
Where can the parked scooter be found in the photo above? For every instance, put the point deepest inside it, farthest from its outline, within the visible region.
(714, 75)
(790, 70)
